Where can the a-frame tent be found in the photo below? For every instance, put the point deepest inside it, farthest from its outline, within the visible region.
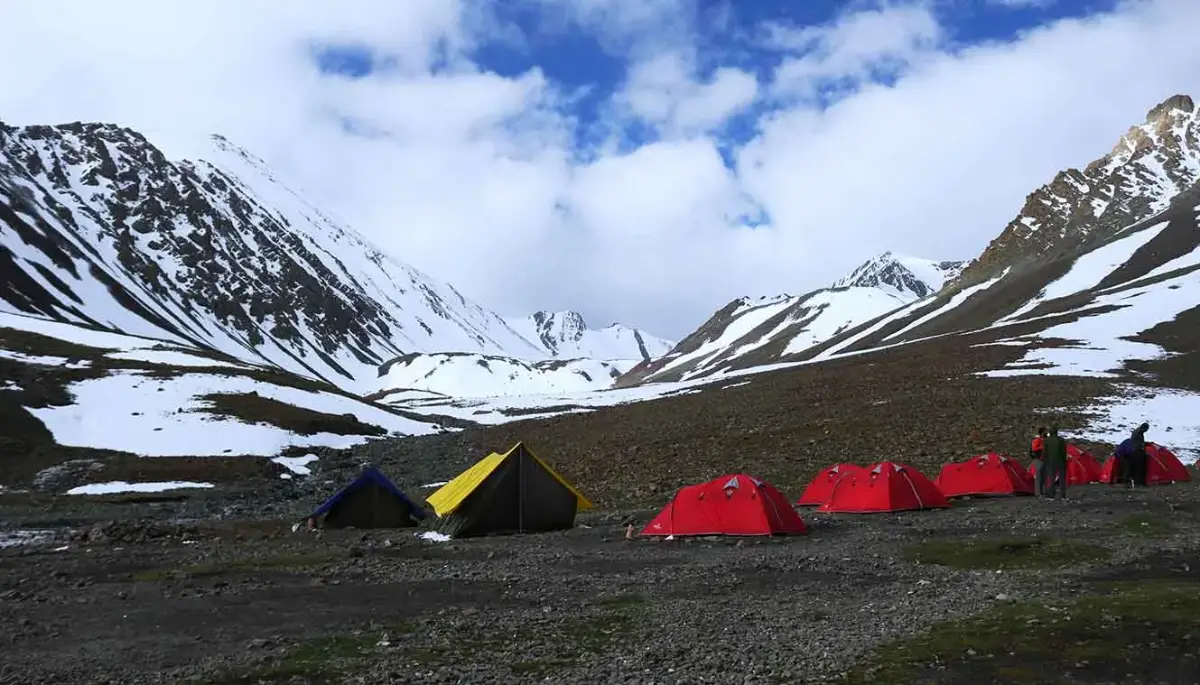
(369, 501)
(514, 492)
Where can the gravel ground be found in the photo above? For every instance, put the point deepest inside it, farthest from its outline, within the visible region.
(233, 601)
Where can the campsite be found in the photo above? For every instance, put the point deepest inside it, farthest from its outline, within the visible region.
(650, 343)
(986, 581)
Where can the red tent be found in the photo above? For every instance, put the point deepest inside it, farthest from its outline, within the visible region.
(990, 474)
(734, 504)
(1109, 472)
(818, 490)
(1162, 467)
(1091, 467)
(882, 487)
(1082, 467)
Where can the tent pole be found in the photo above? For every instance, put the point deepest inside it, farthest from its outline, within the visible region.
(520, 491)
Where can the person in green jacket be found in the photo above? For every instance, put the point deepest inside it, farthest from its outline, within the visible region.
(1054, 459)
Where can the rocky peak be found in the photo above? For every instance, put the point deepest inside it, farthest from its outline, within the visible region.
(555, 328)
(1150, 164)
(904, 275)
(1175, 103)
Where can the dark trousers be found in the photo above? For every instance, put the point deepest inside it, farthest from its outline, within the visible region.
(1134, 467)
(1054, 478)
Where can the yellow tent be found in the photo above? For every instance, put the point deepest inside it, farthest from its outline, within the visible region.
(512, 491)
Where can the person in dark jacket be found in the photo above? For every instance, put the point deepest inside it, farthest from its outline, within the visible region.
(1138, 459)
(1123, 470)
(1035, 453)
(1054, 458)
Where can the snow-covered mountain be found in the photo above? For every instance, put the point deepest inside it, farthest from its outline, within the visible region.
(1152, 163)
(461, 374)
(764, 330)
(98, 227)
(1131, 239)
(909, 277)
(565, 335)
(574, 358)
(97, 399)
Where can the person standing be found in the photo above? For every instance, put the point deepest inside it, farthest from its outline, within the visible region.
(1139, 460)
(1039, 465)
(1054, 460)
(1123, 473)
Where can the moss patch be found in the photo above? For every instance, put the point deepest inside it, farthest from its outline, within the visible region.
(1150, 525)
(553, 648)
(318, 660)
(1004, 553)
(1120, 635)
(254, 408)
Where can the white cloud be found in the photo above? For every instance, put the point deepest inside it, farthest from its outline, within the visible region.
(852, 46)
(664, 91)
(477, 182)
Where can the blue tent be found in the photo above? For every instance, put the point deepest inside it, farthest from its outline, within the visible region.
(370, 501)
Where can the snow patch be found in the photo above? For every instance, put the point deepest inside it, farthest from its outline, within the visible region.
(120, 486)
(170, 358)
(21, 538)
(1090, 269)
(1102, 348)
(473, 375)
(297, 465)
(434, 536)
(73, 333)
(952, 304)
(42, 360)
(1173, 415)
(136, 412)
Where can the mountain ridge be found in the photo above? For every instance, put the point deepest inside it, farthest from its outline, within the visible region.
(565, 335)
(1150, 164)
(99, 227)
(782, 325)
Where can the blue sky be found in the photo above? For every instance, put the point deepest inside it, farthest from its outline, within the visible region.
(643, 162)
(575, 56)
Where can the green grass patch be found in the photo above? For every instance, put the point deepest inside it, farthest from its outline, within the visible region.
(254, 408)
(283, 562)
(318, 660)
(627, 601)
(1004, 553)
(1119, 635)
(1147, 524)
(330, 659)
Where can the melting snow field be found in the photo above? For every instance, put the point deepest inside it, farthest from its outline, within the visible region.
(134, 412)
(296, 465)
(496, 410)
(1173, 415)
(171, 358)
(1102, 348)
(472, 375)
(42, 360)
(76, 334)
(120, 486)
(1089, 270)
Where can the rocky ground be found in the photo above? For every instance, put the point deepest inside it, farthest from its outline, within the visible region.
(971, 594)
